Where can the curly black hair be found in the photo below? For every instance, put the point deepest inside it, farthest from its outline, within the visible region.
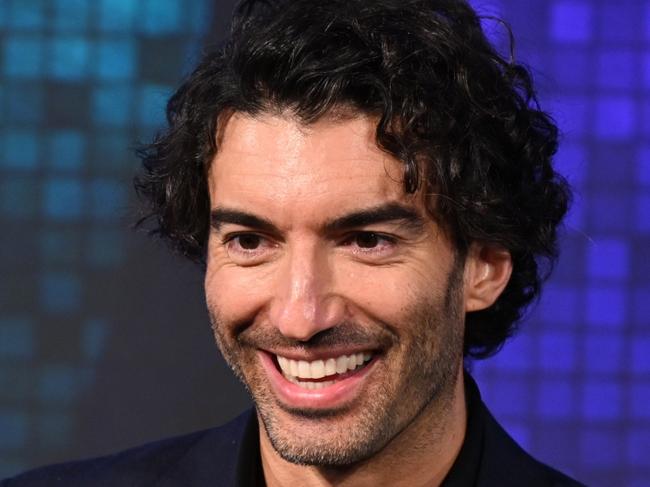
(462, 118)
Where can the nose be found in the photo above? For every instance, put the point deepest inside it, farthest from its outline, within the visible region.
(304, 302)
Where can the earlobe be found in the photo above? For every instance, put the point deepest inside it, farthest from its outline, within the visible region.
(487, 272)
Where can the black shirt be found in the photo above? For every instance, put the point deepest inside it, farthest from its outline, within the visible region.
(464, 472)
(229, 456)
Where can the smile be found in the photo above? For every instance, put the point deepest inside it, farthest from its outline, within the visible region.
(327, 383)
(321, 373)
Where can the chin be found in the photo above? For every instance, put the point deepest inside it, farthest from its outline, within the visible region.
(334, 439)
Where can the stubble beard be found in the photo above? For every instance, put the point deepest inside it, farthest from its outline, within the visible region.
(425, 376)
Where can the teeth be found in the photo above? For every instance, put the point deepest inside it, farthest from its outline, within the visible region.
(330, 366)
(317, 369)
(301, 369)
(293, 367)
(341, 365)
(352, 362)
(304, 370)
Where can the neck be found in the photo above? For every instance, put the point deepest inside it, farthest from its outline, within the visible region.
(421, 454)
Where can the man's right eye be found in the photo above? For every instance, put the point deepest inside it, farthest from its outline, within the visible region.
(248, 249)
(248, 241)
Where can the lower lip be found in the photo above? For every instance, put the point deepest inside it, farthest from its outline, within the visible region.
(333, 396)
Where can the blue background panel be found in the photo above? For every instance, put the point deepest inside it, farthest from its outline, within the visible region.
(26, 14)
(66, 150)
(16, 338)
(15, 428)
(71, 16)
(608, 259)
(19, 197)
(117, 15)
(556, 399)
(63, 198)
(60, 292)
(23, 102)
(116, 59)
(20, 149)
(23, 56)
(599, 450)
(571, 21)
(617, 117)
(69, 58)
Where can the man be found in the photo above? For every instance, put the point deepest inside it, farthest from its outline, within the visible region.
(369, 186)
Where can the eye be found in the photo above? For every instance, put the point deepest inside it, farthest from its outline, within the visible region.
(367, 240)
(248, 249)
(248, 241)
(370, 243)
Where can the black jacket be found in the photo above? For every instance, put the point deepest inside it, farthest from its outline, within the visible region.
(229, 456)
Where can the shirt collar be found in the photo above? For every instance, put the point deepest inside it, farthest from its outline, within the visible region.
(464, 472)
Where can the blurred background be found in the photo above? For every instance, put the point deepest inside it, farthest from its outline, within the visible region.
(104, 342)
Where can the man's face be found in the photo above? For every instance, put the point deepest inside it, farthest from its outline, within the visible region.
(333, 295)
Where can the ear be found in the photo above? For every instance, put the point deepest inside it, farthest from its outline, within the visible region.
(487, 272)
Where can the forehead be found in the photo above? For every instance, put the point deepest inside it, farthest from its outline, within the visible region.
(278, 164)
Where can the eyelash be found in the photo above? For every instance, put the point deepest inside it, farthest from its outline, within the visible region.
(386, 239)
(385, 243)
(229, 239)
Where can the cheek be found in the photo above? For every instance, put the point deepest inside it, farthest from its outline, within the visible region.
(235, 294)
(389, 294)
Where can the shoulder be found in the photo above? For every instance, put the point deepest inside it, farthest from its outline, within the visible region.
(182, 460)
(506, 464)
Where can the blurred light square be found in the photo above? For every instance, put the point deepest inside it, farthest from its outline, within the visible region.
(14, 425)
(23, 57)
(16, 338)
(557, 351)
(112, 105)
(638, 446)
(20, 150)
(161, 16)
(63, 199)
(608, 259)
(116, 59)
(25, 14)
(640, 359)
(616, 117)
(617, 69)
(639, 399)
(599, 449)
(604, 353)
(69, 58)
(60, 292)
(571, 21)
(556, 399)
(601, 400)
(606, 306)
(67, 150)
(71, 15)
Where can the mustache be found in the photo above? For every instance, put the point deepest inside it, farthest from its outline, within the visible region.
(345, 334)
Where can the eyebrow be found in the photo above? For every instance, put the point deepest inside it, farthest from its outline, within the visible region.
(220, 216)
(386, 213)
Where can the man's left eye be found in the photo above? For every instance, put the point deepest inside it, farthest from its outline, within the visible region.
(248, 241)
(365, 241)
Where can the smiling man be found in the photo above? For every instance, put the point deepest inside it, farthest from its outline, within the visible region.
(369, 187)
(339, 302)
